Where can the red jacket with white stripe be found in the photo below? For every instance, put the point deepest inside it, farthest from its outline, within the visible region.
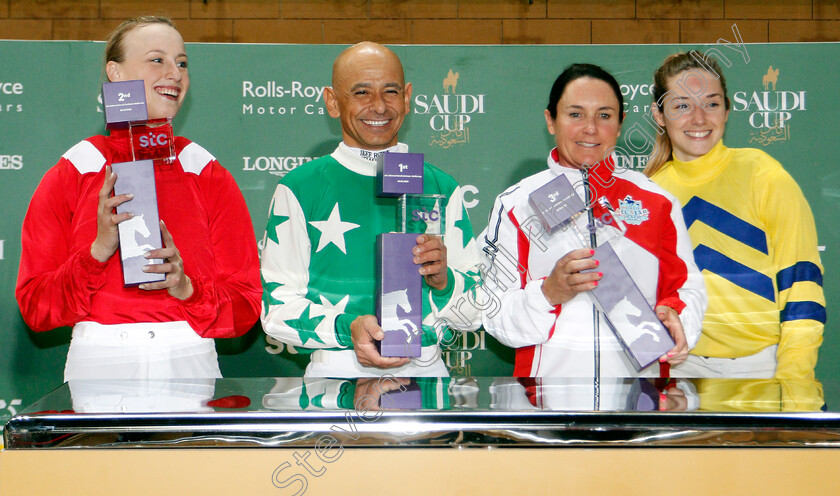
(60, 283)
(560, 341)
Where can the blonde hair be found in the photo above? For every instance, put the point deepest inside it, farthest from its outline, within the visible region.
(115, 48)
(671, 67)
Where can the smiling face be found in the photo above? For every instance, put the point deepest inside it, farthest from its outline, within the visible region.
(369, 95)
(693, 113)
(155, 53)
(587, 124)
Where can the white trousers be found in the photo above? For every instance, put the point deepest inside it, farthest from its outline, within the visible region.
(155, 395)
(761, 365)
(343, 363)
(157, 350)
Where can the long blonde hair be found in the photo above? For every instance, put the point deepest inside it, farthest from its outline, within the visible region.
(671, 67)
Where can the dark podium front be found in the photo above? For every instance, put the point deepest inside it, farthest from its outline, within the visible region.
(424, 436)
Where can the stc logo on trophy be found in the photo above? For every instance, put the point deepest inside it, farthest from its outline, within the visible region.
(450, 113)
(771, 110)
(11, 162)
(424, 215)
(277, 166)
(10, 89)
(277, 98)
(153, 139)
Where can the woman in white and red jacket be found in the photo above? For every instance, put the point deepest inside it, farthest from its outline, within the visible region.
(70, 272)
(539, 283)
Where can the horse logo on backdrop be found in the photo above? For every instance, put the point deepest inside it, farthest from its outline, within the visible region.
(770, 78)
(631, 211)
(450, 113)
(391, 304)
(450, 82)
(129, 247)
(770, 110)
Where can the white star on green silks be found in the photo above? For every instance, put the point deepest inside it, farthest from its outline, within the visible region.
(332, 230)
(327, 305)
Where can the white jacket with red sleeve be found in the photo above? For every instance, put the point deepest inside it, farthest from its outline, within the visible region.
(518, 254)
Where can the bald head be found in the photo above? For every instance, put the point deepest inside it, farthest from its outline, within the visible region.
(369, 94)
(366, 52)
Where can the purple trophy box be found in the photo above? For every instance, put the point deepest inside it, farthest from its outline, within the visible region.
(629, 315)
(140, 233)
(124, 102)
(408, 398)
(399, 174)
(398, 295)
(555, 203)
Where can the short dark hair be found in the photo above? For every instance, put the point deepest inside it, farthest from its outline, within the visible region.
(577, 71)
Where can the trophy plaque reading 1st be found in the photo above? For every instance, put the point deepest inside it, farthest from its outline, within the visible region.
(399, 174)
(140, 233)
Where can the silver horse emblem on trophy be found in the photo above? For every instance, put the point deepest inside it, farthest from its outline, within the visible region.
(128, 241)
(390, 320)
(619, 317)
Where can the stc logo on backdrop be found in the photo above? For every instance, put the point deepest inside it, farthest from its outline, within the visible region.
(450, 113)
(8, 91)
(770, 110)
(275, 98)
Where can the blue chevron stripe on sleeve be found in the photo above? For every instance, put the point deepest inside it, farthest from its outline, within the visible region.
(734, 272)
(798, 272)
(718, 218)
(801, 310)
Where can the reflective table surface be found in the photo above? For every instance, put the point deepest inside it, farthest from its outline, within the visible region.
(428, 412)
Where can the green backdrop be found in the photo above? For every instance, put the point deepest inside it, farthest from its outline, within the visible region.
(477, 112)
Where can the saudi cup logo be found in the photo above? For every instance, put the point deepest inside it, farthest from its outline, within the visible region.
(772, 109)
(451, 112)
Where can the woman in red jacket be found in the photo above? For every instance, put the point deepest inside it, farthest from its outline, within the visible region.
(70, 271)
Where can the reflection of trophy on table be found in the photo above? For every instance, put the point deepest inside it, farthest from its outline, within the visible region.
(399, 287)
(125, 108)
(617, 296)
